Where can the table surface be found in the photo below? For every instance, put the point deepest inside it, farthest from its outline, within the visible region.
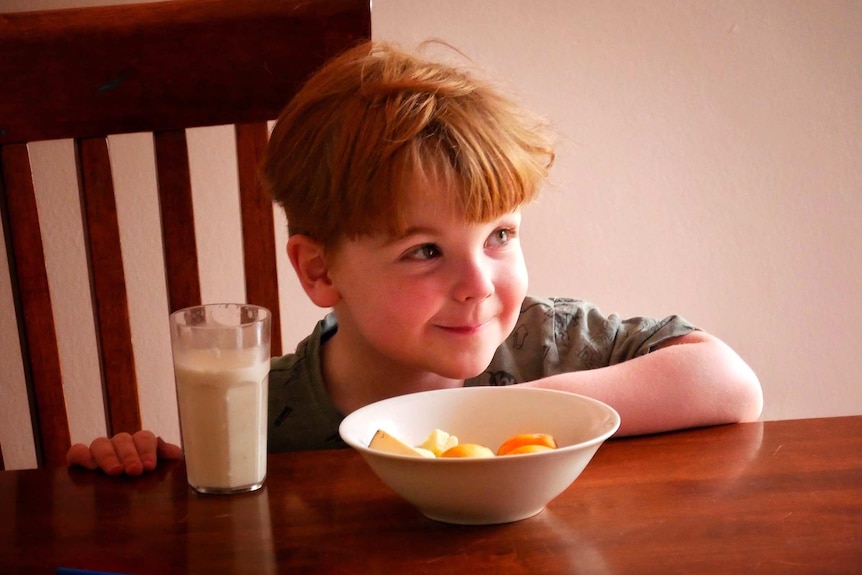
(776, 497)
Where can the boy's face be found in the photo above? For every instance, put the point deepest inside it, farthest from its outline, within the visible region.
(439, 298)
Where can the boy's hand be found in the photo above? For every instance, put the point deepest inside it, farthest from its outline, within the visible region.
(123, 453)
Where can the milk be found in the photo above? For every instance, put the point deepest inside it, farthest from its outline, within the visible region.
(222, 396)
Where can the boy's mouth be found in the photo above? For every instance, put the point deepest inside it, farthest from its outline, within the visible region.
(465, 329)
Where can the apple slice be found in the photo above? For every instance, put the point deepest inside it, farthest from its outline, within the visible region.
(383, 441)
(439, 441)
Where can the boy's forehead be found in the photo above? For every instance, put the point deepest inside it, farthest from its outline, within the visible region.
(432, 213)
(429, 201)
(421, 202)
(420, 197)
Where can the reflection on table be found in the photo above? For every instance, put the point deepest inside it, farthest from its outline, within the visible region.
(775, 497)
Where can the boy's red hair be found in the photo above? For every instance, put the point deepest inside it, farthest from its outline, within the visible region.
(375, 120)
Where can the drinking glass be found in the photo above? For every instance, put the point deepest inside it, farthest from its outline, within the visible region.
(221, 356)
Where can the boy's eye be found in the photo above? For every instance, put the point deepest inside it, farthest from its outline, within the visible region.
(424, 252)
(501, 237)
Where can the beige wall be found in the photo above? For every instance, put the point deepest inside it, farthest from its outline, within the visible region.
(708, 166)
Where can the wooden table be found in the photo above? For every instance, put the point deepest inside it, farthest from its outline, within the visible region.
(778, 497)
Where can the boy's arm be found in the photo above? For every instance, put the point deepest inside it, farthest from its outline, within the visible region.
(123, 453)
(688, 381)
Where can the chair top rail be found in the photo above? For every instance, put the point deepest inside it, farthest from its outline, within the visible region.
(147, 67)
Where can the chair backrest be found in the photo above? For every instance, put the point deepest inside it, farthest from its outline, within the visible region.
(88, 73)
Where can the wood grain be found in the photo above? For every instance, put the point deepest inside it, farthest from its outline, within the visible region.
(178, 221)
(258, 226)
(777, 497)
(108, 279)
(33, 306)
(163, 66)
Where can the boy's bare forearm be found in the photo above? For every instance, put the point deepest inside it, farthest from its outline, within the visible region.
(694, 380)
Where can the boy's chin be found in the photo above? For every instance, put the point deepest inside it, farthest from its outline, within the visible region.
(467, 370)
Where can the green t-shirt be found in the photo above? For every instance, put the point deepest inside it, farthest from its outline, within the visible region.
(552, 335)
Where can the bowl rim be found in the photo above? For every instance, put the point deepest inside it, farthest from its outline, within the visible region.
(613, 418)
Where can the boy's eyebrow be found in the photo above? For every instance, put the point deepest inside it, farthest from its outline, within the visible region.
(411, 231)
(414, 231)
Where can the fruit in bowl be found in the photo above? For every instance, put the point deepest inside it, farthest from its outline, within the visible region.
(442, 444)
(490, 489)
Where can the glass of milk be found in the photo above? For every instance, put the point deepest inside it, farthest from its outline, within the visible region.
(221, 362)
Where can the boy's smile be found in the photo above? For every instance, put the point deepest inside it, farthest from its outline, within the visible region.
(429, 307)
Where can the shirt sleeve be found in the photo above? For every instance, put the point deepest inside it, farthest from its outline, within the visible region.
(561, 335)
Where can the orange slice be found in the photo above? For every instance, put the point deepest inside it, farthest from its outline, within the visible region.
(527, 439)
(468, 450)
(529, 449)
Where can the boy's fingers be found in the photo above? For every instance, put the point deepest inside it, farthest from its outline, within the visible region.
(127, 453)
(123, 453)
(105, 456)
(80, 455)
(169, 450)
(145, 447)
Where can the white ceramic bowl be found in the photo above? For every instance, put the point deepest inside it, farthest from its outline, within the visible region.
(485, 490)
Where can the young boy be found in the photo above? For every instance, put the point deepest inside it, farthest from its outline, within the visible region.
(402, 181)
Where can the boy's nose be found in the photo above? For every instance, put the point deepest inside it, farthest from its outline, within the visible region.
(474, 281)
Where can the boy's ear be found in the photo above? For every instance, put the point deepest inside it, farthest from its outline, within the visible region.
(308, 258)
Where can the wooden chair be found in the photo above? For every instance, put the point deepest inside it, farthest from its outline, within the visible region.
(161, 68)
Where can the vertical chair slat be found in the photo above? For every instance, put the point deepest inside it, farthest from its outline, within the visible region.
(33, 307)
(258, 226)
(110, 302)
(178, 222)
